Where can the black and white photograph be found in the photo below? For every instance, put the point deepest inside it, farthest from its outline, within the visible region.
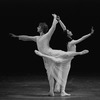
(50, 50)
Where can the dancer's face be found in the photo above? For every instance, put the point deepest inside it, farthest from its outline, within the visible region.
(39, 29)
(69, 33)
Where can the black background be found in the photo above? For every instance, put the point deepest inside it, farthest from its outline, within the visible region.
(23, 16)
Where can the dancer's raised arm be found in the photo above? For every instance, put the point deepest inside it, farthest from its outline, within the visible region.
(64, 27)
(25, 37)
(53, 27)
(73, 42)
(61, 23)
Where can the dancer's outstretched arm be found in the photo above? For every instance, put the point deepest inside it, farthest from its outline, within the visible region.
(25, 37)
(55, 59)
(73, 42)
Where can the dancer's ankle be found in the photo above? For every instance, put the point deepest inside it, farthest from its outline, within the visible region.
(51, 94)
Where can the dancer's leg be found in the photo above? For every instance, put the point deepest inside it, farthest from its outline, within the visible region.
(55, 59)
(59, 80)
(61, 54)
(64, 54)
(65, 72)
(48, 66)
(51, 83)
(57, 87)
(73, 53)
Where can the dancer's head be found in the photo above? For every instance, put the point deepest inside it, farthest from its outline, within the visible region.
(42, 28)
(69, 34)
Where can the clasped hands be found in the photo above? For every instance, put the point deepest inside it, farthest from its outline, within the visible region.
(56, 17)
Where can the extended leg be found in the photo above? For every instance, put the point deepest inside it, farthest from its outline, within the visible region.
(72, 53)
(62, 55)
(55, 59)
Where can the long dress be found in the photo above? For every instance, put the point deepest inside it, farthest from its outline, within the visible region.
(59, 71)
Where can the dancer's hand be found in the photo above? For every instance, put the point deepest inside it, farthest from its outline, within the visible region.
(58, 18)
(92, 31)
(55, 16)
(69, 33)
(13, 35)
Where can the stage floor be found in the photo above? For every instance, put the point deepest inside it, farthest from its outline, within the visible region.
(22, 88)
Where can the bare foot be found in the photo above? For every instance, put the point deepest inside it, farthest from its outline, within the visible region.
(37, 52)
(51, 94)
(84, 51)
(65, 94)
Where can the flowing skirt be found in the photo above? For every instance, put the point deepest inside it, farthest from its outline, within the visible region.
(59, 71)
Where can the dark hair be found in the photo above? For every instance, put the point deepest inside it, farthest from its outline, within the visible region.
(44, 27)
(69, 37)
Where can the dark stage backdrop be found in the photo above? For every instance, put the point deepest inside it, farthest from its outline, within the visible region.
(23, 16)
